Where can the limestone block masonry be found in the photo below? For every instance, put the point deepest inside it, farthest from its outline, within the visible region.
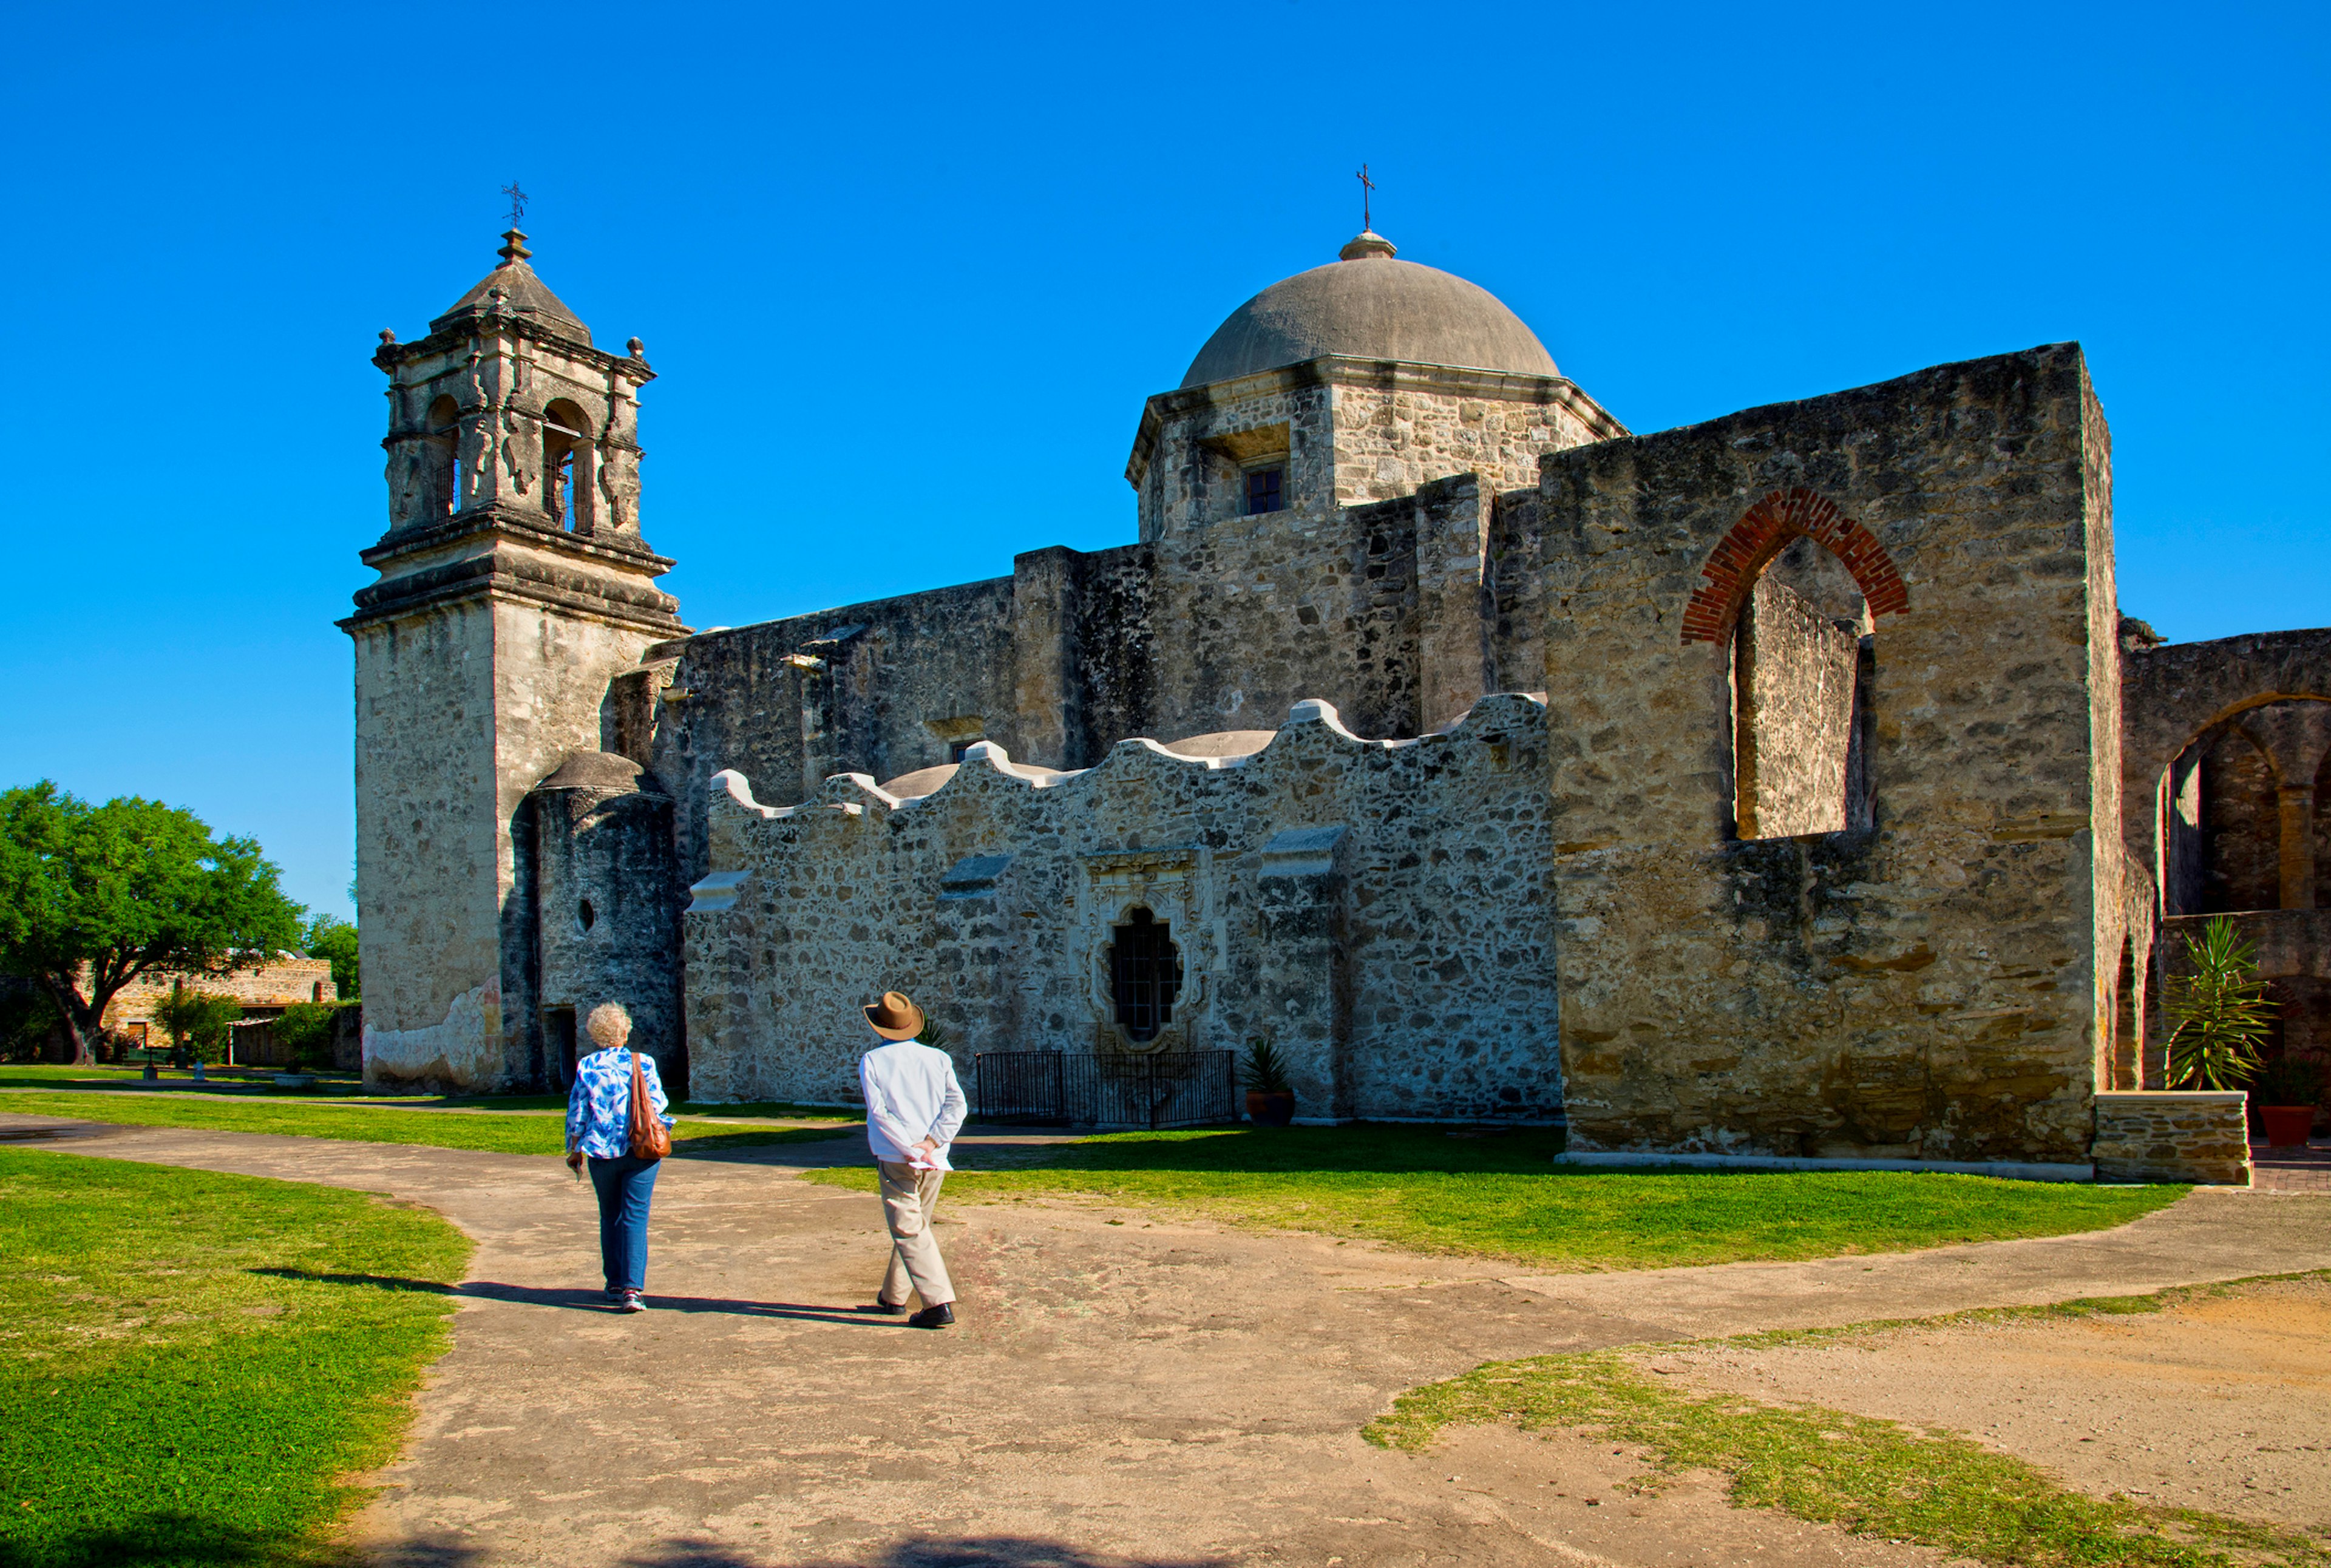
(1930, 987)
(2174, 1135)
(1786, 789)
(1377, 909)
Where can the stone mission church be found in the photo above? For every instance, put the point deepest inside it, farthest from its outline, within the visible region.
(1784, 786)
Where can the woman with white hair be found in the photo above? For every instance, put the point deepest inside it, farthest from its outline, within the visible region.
(624, 1152)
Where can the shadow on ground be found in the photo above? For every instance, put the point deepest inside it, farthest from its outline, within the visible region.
(579, 1299)
(1359, 1148)
(915, 1552)
(161, 1540)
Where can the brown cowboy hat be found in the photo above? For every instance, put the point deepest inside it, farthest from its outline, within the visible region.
(894, 1017)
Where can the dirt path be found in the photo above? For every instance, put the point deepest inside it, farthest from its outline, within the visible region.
(1143, 1392)
(2219, 1401)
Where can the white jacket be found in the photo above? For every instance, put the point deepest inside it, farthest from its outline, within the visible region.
(911, 1094)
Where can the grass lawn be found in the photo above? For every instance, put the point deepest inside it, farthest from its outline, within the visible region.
(190, 1362)
(1874, 1477)
(522, 1134)
(347, 1091)
(1501, 1196)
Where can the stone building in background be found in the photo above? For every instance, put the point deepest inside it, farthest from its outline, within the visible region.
(265, 989)
(1786, 787)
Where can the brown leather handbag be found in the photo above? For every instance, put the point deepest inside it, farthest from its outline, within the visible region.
(650, 1139)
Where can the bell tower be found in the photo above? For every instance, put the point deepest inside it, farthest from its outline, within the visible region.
(514, 586)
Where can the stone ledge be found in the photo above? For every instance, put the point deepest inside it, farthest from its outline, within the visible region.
(2197, 1136)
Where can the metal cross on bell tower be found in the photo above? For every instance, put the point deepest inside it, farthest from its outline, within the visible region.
(518, 202)
(1368, 187)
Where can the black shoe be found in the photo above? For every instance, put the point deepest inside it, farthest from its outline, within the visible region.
(938, 1316)
(887, 1309)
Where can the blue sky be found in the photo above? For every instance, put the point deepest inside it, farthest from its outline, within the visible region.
(907, 280)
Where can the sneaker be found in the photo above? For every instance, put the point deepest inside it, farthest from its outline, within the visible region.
(633, 1301)
(938, 1316)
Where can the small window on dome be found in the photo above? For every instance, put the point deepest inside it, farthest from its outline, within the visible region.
(1265, 490)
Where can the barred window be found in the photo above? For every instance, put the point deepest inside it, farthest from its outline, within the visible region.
(1265, 489)
(1146, 975)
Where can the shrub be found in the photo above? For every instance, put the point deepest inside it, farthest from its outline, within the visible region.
(198, 1022)
(2221, 1011)
(305, 1032)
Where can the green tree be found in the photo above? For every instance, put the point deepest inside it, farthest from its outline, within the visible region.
(329, 937)
(2221, 1011)
(198, 1022)
(305, 1031)
(92, 897)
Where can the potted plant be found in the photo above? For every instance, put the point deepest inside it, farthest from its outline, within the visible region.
(1270, 1097)
(2286, 1095)
(2221, 1011)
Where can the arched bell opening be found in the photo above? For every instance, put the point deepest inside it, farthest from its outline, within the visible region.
(565, 466)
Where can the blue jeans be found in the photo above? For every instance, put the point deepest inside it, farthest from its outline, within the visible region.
(624, 1185)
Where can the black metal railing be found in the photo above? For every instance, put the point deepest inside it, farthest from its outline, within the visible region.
(1191, 1088)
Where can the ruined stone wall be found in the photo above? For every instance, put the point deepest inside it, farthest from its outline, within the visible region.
(1927, 989)
(2173, 696)
(1379, 910)
(2240, 826)
(280, 983)
(1794, 682)
(778, 703)
(1256, 614)
(1514, 584)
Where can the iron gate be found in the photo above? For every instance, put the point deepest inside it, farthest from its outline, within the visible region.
(1191, 1089)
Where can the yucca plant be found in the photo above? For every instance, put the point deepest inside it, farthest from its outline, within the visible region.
(934, 1034)
(2221, 1011)
(1264, 1072)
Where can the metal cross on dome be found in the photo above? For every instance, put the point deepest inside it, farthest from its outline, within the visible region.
(1367, 223)
(518, 202)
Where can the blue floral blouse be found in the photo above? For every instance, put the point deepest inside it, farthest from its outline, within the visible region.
(599, 1105)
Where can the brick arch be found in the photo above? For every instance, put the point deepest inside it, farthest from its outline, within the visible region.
(1762, 532)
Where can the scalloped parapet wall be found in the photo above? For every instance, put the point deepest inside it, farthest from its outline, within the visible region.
(1378, 908)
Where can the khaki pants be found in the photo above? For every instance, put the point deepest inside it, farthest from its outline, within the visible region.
(910, 1198)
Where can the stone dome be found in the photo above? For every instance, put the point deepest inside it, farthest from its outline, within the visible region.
(1370, 306)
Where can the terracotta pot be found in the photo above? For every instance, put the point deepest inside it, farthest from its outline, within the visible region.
(2287, 1126)
(1270, 1110)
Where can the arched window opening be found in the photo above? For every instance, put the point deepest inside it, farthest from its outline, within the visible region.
(1804, 662)
(563, 446)
(2244, 823)
(2127, 1065)
(444, 477)
(1145, 975)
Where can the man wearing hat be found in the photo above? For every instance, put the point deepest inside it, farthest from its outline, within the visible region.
(913, 1108)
